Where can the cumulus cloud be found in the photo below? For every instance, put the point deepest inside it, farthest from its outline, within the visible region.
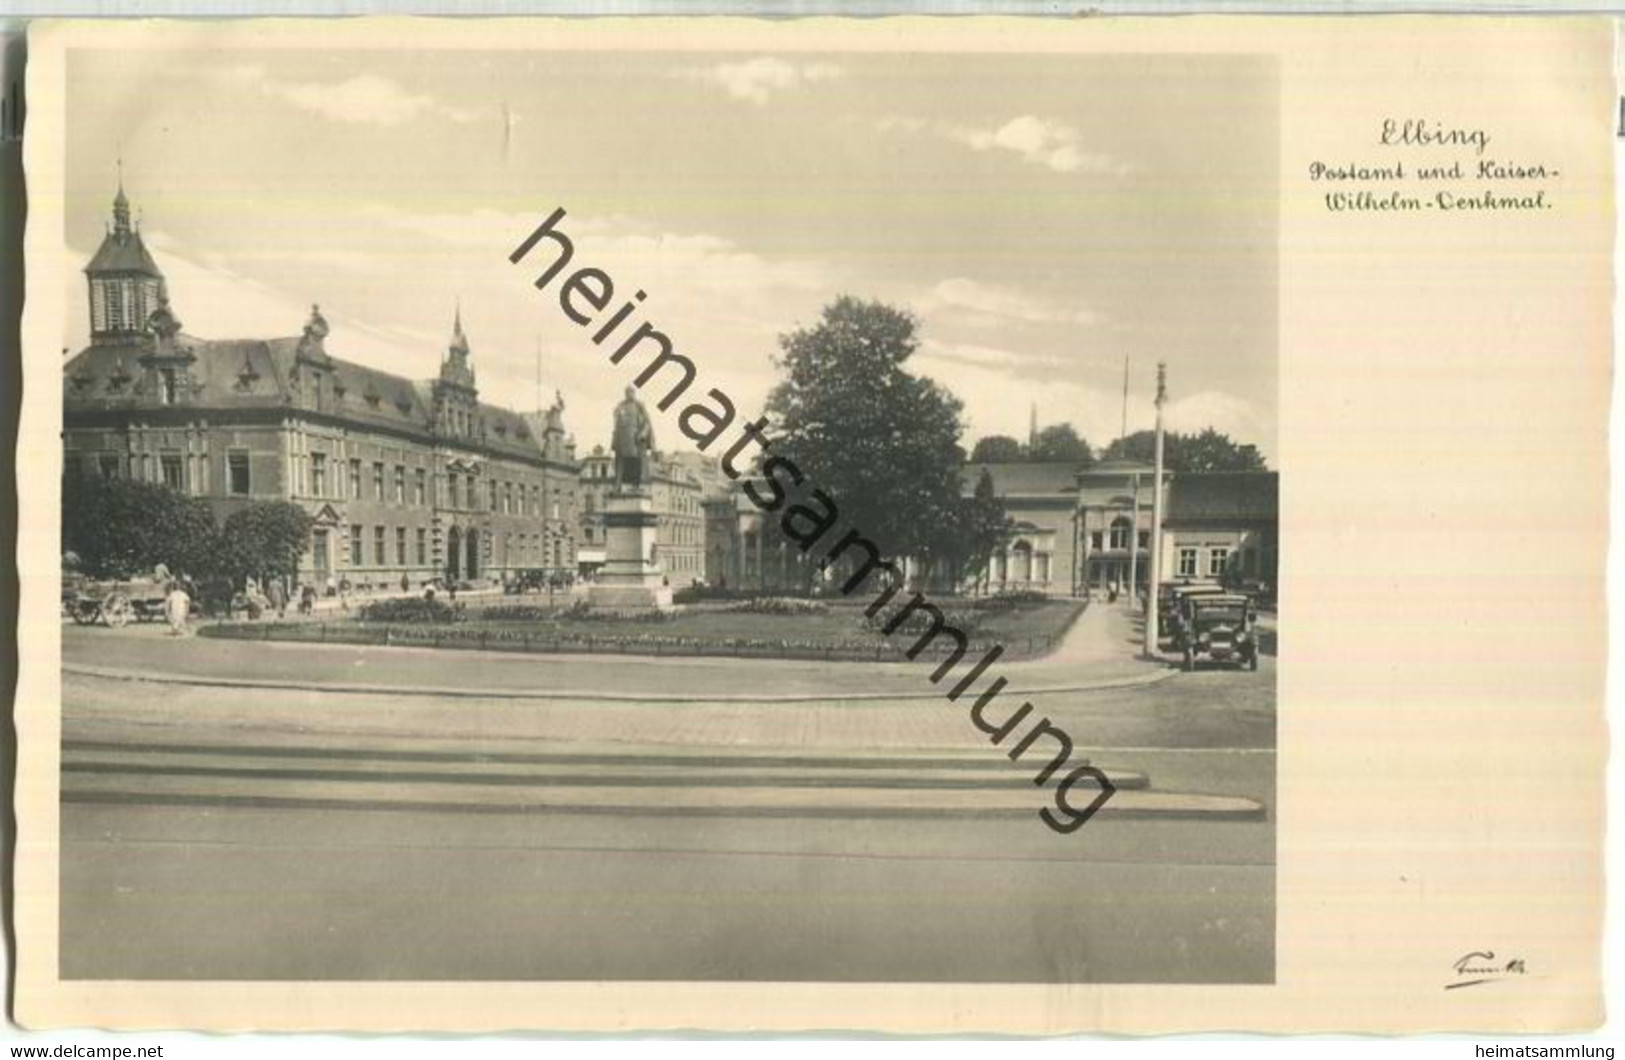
(635, 252)
(758, 80)
(1039, 141)
(364, 99)
(988, 305)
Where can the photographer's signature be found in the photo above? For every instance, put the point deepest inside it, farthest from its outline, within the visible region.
(1483, 966)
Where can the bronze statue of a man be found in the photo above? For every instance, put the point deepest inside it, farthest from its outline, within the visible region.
(632, 442)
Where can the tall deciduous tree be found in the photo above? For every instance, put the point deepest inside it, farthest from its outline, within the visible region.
(1059, 442)
(120, 528)
(998, 449)
(1207, 451)
(882, 442)
(265, 540)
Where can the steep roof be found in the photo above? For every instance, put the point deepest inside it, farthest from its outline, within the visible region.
(233, 374)
(1224, 496)
(123, 252)
(1023, 479)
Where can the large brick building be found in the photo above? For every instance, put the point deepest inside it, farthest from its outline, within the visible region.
(403, 476)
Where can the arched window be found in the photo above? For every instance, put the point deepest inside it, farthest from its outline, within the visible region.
(1121, 529)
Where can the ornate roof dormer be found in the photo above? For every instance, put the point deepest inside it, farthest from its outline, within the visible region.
(312, 344)
(163, 325)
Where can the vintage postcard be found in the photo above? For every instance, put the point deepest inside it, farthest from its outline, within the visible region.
(1007, 525)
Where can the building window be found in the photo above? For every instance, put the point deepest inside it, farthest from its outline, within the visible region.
(169, 386)
(318, 474)
(237, 473)
(589, 502)
(107, 463)
(473, 496)
(1187, 563)
(378, 480)
(1145, 539)
(378, 546)
(400, 546)
(173, 477)
(355, 545)
(400, 484)
(1217, 560)
(493, 495)
(451, 482)
(423, 547)
(420, 487)
(355, 479)
(507, 498)
(1095, 537)
(1120, 531)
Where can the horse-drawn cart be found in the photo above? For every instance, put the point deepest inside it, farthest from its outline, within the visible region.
(112, 603)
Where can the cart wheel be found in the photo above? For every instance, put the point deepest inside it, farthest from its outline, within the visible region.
(84, 614)
(1190, 660)
(116, 610)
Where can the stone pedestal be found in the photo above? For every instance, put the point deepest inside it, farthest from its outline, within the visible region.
(629, 580)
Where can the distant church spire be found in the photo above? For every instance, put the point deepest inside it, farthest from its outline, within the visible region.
(1032, 428)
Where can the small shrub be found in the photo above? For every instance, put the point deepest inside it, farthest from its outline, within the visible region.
(779, 605)
(515, 613)
(1010, 601)
(410, 610)
(583, 611)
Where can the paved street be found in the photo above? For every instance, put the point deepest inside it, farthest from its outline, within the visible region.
(365, 825)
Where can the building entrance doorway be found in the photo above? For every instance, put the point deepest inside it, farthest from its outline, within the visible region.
(454, 543)
(320, 554)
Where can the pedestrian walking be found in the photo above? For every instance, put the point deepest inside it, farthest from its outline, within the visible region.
(278, 597)
(177, 605)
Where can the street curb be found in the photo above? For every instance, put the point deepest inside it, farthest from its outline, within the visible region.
(344, 688)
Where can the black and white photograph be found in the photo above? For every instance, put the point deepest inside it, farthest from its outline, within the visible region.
(669, 516)
(686, 527)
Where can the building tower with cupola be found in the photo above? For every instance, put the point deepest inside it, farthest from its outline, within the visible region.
(126, 286)
(456, 399)
(406, 479)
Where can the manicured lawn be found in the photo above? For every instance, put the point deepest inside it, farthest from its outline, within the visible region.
(1025, 632)
(836, 632)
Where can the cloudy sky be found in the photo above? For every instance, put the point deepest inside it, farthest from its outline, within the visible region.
(1046, 217)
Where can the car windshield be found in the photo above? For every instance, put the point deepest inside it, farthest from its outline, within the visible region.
(1219, 614)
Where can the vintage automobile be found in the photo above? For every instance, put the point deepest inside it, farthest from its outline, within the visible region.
(1218, 627)
(539, 579)
(1171, 597)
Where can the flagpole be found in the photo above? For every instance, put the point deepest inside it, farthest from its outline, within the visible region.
(1152, 633)
(1124, 435)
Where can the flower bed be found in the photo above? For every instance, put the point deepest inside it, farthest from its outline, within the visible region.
(779, 605)
(411, 609)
